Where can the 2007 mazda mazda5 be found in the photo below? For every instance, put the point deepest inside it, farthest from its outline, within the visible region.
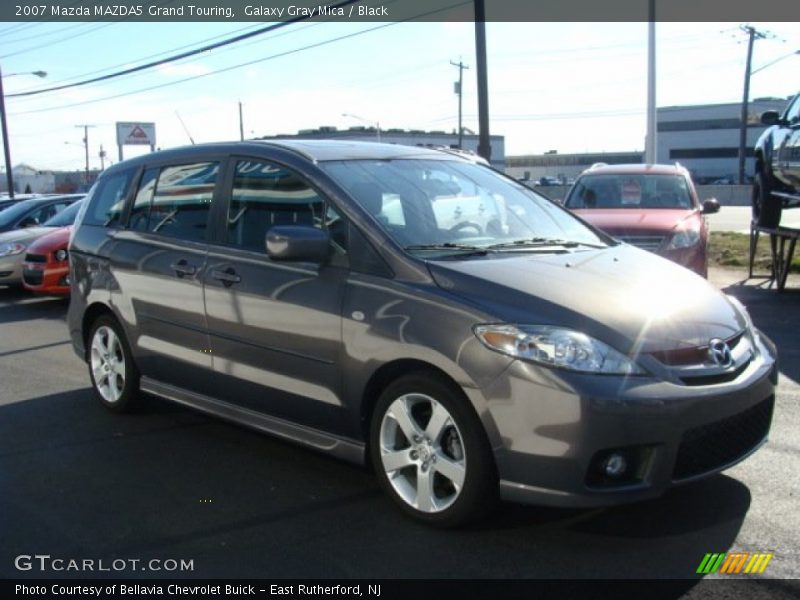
(414, 309)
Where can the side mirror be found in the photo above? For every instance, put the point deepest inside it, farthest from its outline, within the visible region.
(298, 242)
(710, 206)
(770, 117)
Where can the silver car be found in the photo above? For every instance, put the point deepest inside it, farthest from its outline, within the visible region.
(418, 311)
(53, 213)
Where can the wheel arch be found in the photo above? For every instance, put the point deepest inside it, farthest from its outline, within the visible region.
(383, 376)
(90, 315)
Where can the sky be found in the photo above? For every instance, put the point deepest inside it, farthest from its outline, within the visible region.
(570, 87)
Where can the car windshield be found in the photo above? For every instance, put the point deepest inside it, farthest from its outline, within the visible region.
(20, 209)
(445, 207)
(630, 191)
(65, 217)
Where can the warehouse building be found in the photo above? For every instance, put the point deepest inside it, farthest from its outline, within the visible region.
(703, 138)
(405, 137)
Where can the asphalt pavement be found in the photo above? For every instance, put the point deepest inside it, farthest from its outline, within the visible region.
(168, 483)
(737, 218)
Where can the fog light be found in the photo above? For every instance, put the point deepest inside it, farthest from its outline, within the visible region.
(615, 465)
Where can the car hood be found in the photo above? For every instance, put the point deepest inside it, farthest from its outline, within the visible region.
(54, 239)
(632, 299)
(24, 236)
(618, 221)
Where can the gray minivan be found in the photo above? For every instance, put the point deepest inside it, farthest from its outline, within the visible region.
(416, 310)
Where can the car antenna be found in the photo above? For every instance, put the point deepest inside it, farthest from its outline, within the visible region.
(186, 129)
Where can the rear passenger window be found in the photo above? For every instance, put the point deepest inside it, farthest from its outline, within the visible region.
(176, 202)
(264, 195)
(108, 200)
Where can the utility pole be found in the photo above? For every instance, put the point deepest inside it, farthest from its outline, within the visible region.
(484, 143)
(86, 149)
(6, 145)
(241, 123)
(460, 91)
(651, 140)
(753, 34)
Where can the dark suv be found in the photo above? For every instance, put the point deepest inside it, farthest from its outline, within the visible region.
(416, 310)
(777, 178)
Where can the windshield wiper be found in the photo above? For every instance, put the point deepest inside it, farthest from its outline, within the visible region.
(449, 246)
(539, 242)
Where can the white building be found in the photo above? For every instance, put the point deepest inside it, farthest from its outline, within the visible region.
(30, 180)
(404, 137)
(703, 138)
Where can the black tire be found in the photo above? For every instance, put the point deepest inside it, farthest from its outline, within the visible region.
(766, 207)
(114, 395)
(460, 444)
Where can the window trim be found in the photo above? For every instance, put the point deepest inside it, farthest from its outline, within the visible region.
(221, 161)
(219, 239)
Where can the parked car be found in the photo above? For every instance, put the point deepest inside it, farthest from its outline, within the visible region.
(7, 201)
(34, 211)
(776, 184)
(45, 269)
(653, 207)
(15, 243)
(308, 289)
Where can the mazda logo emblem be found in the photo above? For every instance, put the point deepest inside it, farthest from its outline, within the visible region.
(720, 353)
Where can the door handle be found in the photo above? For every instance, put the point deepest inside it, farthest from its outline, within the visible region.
(183, 268)
(228, 277)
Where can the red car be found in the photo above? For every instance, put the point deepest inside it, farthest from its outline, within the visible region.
(46, 266)
(654, 207)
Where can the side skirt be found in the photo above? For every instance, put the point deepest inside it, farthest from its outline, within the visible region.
(348, 450)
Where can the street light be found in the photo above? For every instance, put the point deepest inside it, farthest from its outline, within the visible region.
(376, 123)
(6, 147)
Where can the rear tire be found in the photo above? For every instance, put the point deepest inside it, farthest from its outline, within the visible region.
(766, 207)
(115, 378)
(430, 452)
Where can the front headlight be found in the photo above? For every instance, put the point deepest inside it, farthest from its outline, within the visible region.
(556, 347)
(10, 249)
(61, 255)
(684, 239)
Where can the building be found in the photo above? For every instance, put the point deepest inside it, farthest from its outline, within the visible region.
(405, 137)
(703, 138)
(28, 179)
(564, 167)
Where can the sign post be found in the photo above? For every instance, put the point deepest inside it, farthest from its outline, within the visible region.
(136, 134)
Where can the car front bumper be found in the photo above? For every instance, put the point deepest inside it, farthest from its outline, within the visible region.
(11, 269)
(557, 429)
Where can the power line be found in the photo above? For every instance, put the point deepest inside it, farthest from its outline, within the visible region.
(248, 63)
(177, 57)
(54, 42)
(127, 62)
(27, 38)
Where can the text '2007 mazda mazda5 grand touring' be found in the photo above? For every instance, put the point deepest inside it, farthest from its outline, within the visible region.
(415, 309)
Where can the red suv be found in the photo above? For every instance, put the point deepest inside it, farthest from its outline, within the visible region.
(654, 207)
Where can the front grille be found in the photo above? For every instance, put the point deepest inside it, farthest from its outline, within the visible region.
(718, 378)
(712, 446)
(36, 258)
(652, 243)
(691, 356)
(32, 277)
(5, 273)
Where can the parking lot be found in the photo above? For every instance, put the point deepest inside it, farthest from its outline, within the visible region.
(169, 483)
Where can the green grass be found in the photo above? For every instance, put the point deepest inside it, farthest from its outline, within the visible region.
(728, 249)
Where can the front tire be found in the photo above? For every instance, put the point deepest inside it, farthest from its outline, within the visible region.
(766, 207)
(430, 452)
(115, 378)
